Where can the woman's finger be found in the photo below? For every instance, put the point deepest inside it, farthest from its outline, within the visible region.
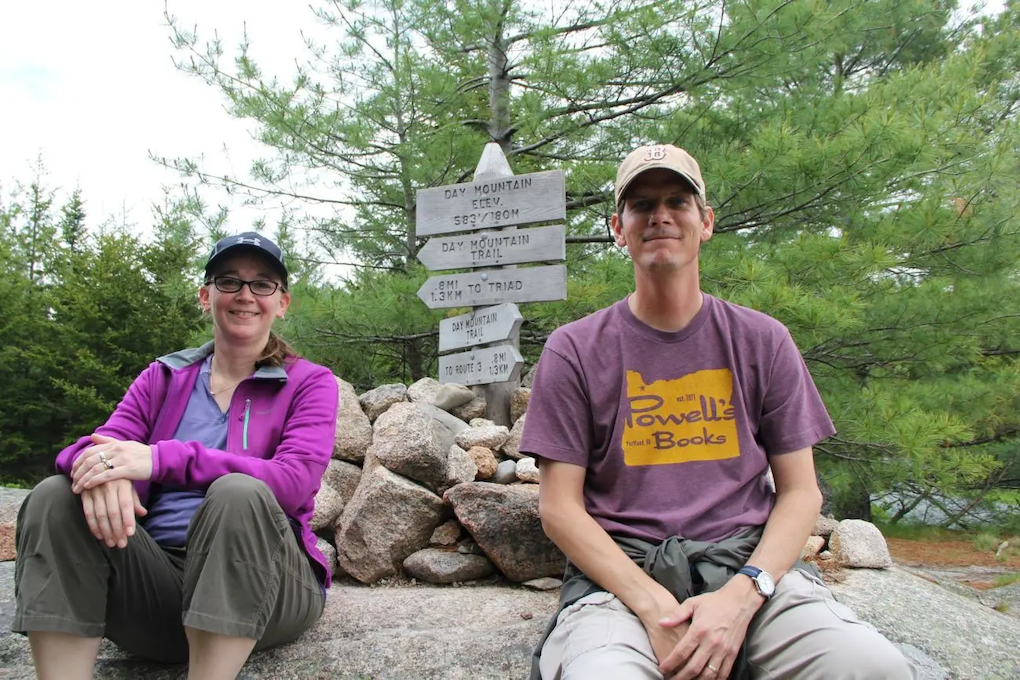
(103, 520)
(88, 507)
(113, 514)
(126, 502)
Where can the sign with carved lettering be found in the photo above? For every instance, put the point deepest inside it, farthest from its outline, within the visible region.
(481, 365)
(492, 203)
(480, 327)
(531, 284)
(494, 248)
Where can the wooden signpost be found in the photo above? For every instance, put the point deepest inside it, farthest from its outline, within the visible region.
(488, 249)
(481, 327)
(481, 365)
(489, 208)
(495, 201)
(490, 287)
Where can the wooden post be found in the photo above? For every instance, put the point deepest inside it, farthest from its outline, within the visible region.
(493, 165)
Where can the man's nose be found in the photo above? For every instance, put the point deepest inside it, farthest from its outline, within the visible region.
(660, 212)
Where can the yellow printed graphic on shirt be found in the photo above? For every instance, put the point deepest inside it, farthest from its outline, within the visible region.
(681, 420)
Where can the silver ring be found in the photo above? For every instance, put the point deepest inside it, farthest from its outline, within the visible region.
(102, 457)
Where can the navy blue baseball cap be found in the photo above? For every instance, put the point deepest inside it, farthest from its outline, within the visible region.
(252, 242)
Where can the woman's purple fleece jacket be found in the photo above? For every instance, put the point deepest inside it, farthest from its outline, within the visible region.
(281, 429)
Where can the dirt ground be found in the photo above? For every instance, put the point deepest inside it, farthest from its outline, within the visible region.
(976, 568)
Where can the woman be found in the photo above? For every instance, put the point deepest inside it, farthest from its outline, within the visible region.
(220, 451)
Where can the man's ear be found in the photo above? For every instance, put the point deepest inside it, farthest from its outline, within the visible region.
(617, 225)
(708, 224)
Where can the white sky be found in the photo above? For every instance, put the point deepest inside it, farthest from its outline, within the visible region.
(91, 87)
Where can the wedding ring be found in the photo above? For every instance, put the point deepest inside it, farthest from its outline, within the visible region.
(712, 668)
(102, 459)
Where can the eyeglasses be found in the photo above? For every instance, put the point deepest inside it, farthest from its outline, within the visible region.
(232, 284)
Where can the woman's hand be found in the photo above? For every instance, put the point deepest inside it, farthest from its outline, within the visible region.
(109, 459)
(110, 511)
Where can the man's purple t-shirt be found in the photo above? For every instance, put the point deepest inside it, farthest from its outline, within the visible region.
(675, 429)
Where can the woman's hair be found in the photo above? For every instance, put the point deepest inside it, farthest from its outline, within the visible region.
(276, 352)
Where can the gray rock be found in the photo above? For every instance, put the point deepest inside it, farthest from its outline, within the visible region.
(424, 391)
(408, 441)
(473, 409)
(327, 549)
(481, 422)
(519, 403)
(10, 503)
(527, 471)
(446, 533)
(526, 377)
(432, 565)
(451, 395)
(460, 467)
(504, 521)
(1005, 599)
(859, 544)
(469, 547)
(375, 402)
(506, 472)
(824, 526)
(343, 477)
(491, 437)
(546, 583)
(388, 518)
(480, 632)
(512, 446)
(328, 506)
(353, 430)
(965, 638)
(450, 421)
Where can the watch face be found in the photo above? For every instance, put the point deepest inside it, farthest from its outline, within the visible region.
(766, 584)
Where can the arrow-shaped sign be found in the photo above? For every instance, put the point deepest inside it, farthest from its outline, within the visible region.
(494, 248)
(481, 365)
(480, 327)
(530, 284)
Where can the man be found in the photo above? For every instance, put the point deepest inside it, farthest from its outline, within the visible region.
(654, 422)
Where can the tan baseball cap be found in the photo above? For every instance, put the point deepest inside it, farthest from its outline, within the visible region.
(658, 156)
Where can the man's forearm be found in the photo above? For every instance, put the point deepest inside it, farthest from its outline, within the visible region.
(596, 554)
(786, 531)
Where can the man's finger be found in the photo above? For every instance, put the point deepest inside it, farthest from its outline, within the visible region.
(682, 614)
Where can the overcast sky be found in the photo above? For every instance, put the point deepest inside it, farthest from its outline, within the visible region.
(91, 86)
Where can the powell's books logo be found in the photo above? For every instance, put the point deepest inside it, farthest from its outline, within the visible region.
(681, 420)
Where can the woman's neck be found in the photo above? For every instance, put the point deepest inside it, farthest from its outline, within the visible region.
(234, 363)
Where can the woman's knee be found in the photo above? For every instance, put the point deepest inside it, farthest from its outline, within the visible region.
(236, 488)
(51, 499)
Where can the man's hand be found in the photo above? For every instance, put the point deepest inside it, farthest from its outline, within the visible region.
(717, 626)
(109, 459)
(110, 511)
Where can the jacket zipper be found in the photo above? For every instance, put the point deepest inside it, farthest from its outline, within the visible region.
(244, 434)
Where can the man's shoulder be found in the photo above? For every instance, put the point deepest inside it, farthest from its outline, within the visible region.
(746, 319)
(586, 329)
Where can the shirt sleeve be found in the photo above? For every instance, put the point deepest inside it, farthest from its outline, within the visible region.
(558, 425)
(793, 415)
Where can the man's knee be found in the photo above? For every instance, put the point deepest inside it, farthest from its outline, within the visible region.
(865, 654)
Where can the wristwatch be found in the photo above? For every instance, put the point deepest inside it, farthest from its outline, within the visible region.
(763, 581)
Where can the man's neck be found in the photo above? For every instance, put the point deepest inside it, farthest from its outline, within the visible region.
(667, 305)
